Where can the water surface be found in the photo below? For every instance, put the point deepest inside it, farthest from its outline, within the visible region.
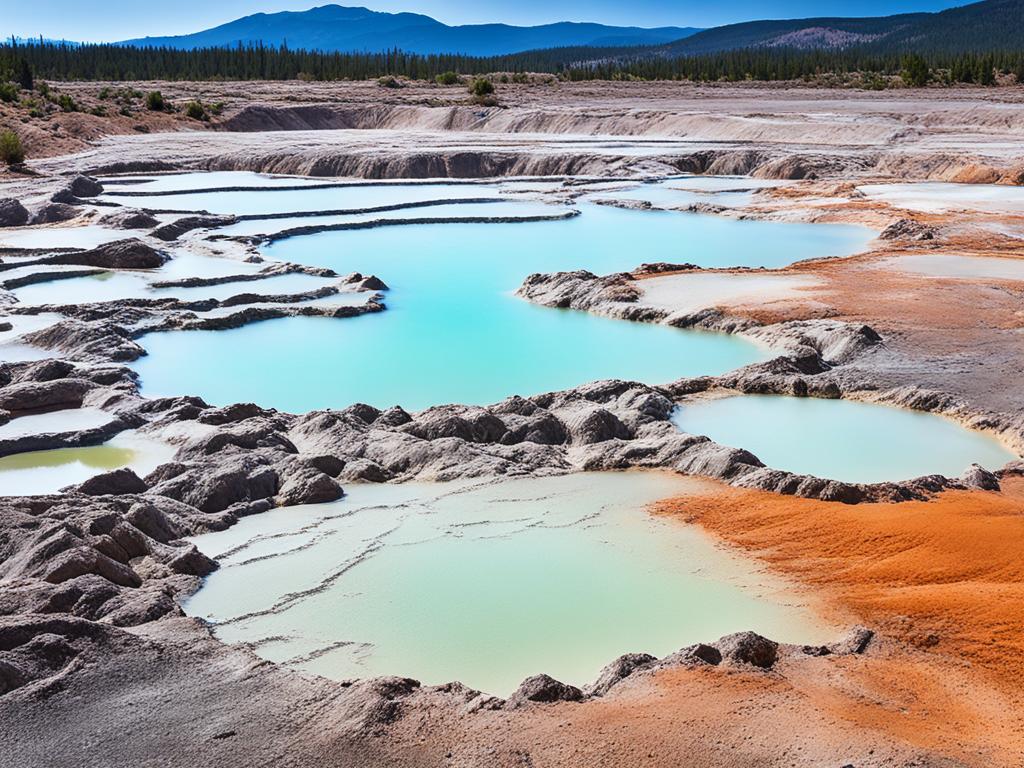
(485, 583)
(842, 439)
(40, 472)
(453, 331)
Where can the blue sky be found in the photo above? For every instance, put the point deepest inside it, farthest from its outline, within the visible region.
(120, 19)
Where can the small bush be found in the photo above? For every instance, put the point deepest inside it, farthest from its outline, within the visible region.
(11, 151)
(8, 92)
(481, 87)
(389, 82)
(43, 88)
(99, 110)
(217, 108)
(66, 103)
(104, 93)
(155, 101)
(447, 78)
(196, 110)
(34, 107)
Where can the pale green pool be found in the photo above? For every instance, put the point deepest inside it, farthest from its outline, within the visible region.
(842, 439)
(486, 583)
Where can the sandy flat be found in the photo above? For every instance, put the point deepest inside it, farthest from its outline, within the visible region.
(691, 291)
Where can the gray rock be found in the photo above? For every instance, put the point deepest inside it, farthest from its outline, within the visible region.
(179, 227)
(131, 253)
(619, 670)
(542, 689)
(699, 653)
(979, 478)
(12, 213)
(85, 186)
(907, 229)
(52, 213)
(130, 218)
(82, 560)
(748, 648)
(115, 483)
(855, 642)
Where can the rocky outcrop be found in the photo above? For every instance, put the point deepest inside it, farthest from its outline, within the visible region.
(129, 218)
(179, 227)
(619, 670)
(12, 213)
(748, 648)
(542, 689)
(85, 186)
(52, 213)
(120, 254)
(78, 188)
(907, 229)
(118, 482)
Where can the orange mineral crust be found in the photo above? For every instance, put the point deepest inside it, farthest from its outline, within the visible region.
(944, 575)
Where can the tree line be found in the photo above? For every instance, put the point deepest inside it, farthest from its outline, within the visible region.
(64, 61)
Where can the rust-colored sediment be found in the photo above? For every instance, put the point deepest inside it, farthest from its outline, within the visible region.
(945, 574)
(943, 578)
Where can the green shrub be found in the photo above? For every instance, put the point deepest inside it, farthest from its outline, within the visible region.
(8, 92)
(196, 110)
(43, 88)
(66, 103)
(481, 87)
(11, 151)
(155, 101)
(104, 93)
(217, 108)
(389, 82)
(447, 78)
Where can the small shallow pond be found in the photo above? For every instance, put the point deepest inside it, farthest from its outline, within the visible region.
(453, 331)
(39, 472)
(55, 422)
(842, 439)
(485, 583)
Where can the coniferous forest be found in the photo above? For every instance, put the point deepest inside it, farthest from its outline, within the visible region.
(64, 61)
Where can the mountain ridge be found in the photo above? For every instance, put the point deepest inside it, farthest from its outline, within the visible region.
(344, 28)
(994, 24)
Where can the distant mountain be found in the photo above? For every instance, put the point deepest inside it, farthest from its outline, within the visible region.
(339, 28)
(987, 26)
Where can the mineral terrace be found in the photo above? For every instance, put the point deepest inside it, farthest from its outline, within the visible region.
(98, 663)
